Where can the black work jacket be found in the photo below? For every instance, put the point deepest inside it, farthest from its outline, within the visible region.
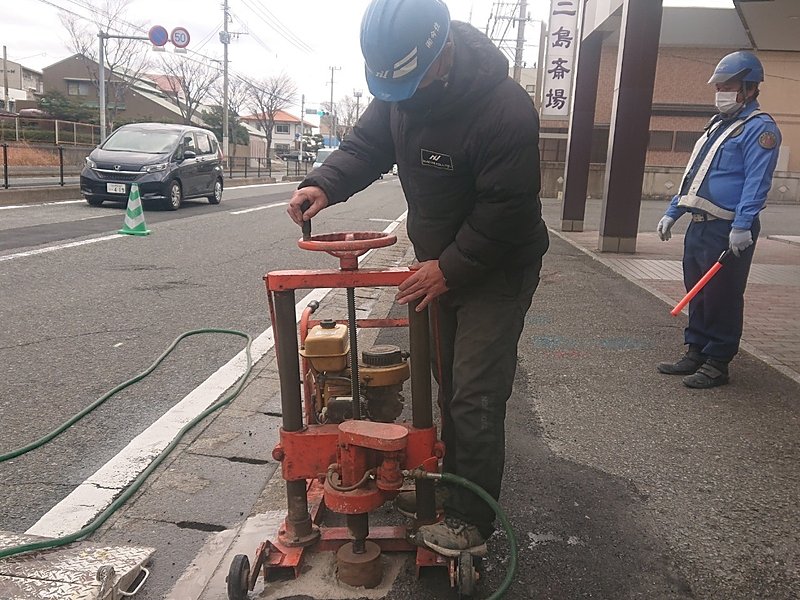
(468, 163)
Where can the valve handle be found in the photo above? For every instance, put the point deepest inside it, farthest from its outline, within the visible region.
(306, 227)
(347, 246)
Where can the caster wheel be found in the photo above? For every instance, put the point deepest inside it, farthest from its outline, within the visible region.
(239, 578)
(466, 576)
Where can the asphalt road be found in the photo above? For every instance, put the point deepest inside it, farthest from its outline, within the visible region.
(79, 320)
(619, 483)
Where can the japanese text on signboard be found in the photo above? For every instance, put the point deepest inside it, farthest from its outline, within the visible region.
(559, 64)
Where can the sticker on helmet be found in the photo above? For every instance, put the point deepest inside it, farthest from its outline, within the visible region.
(768, 140)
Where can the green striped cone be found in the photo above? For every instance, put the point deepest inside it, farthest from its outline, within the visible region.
(134, 215)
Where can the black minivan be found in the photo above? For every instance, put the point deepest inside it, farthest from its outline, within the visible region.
(169, 162)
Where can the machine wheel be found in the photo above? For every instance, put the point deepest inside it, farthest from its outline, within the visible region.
(239, 578)
(466, 576)
(216, 196)
(174, 196)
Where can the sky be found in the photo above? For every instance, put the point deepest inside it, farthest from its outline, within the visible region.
(328, 31)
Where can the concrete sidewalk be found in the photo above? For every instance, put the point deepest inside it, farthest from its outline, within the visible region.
(772, 299)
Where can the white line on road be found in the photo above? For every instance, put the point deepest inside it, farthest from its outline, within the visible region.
(253, 185)
(41, 204)
(248, 210)
(60, 247)
(92, 496)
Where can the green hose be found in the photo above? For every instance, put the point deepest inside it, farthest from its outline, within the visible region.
(137, 483)
(484, 495)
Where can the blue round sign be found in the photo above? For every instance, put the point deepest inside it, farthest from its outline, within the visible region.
(158, 35)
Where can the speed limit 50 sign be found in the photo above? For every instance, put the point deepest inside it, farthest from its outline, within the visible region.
(179, 37)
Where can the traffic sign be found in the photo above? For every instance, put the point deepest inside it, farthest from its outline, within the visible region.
(158, 35)
(180, 37)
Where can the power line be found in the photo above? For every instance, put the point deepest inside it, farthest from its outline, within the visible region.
(263, 13)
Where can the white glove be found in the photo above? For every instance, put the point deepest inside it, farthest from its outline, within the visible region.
(740, 240)
(664, 228)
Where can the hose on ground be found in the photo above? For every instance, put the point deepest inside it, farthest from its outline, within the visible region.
(501, 516)
(136, 483)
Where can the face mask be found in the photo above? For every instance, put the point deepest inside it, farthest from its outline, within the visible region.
(425, 98)
(727, 103)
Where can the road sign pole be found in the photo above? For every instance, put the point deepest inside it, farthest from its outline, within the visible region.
(101, 84)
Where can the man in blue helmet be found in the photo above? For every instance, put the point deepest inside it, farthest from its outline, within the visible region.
(465, 139)
(724, 189)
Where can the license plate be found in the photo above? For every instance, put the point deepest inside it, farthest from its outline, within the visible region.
(115, 188)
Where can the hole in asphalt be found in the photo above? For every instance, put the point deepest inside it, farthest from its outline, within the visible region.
(200, 526)
(249, 461)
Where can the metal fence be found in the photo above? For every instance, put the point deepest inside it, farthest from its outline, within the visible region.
(48, 131)
(28, 165)
(247, 166)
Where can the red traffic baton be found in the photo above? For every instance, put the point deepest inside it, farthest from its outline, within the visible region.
(701, 284)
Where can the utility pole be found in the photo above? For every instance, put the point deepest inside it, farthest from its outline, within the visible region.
(5, 80)
(332, 116)
(225, 38)
(357, 95)
(101, 65)
(101, 73)
(302, 124)
(523, 7)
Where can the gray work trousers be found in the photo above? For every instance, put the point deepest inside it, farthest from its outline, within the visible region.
(478, 331)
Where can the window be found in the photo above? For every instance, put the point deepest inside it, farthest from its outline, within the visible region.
(281, 128)
(660, 140)
(530, 88)
(77, 88)
(203, 145)
(553, 149)
(281, 147)
(685, 140)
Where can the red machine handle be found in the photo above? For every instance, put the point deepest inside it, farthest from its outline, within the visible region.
(347, 246)
(700, 284)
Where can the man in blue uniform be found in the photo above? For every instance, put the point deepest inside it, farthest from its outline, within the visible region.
(724, 189)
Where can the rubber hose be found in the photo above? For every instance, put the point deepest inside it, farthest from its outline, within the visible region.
(512, 540)
(136, 483)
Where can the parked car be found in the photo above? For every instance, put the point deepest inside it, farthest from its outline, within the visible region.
(322, 154)
(295, 156)
(171, 163)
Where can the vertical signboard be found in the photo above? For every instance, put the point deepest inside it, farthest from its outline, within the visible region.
(559, 64)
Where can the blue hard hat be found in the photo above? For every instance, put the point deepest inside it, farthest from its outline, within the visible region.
(400, 40)
(738, 66)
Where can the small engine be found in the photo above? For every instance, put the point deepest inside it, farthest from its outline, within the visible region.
(381, 373)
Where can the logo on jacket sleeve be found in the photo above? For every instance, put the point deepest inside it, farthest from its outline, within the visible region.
(431, 158)
(768, 140)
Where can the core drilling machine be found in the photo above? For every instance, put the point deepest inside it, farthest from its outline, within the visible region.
(340, 448)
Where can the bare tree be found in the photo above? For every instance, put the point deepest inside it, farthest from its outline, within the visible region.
(345, 116)
(238, 99)
(125, 60)
(266, 97)
(188, 83)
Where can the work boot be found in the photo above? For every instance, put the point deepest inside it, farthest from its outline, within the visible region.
(710, 374)
(406, 502)
(687, 365)
(451, 537)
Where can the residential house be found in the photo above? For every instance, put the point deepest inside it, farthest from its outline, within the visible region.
(141, 101)
(24, 84)
(286, 132)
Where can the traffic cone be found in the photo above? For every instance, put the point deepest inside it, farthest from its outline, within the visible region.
(134, 215)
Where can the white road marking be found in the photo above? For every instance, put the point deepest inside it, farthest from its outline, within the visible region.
(41, 204)
(92, 496)
(60, 247)
(118, 344)
(248, 210)
(94, 217)
(253, 185)
(382, 220)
